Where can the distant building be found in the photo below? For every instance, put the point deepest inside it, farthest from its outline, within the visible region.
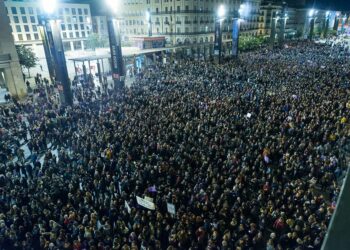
(11, 77)
(75, 26)
(75, 20)
(99, 26)
(298, 18)
(187, 22)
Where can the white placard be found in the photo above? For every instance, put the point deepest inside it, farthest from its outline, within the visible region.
(145, 203)
(127, 207)
(148, 199)
(171, 208)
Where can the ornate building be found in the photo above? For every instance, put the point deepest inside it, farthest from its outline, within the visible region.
(185, 21)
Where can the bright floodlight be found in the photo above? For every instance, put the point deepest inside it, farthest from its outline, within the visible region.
(49, 7)
(244, 10)
(327, 13)
(221, 11)
(148, 16)
(311, 12)
(113, 5)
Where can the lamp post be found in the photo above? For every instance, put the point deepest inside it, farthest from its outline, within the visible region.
(283, 22)
(336, 22)
(326, 24)
(54, 52)
(312, 18)
(44, 38)
(117, 63)
(149, 21)
(218, 32)
(343, 24)
(275, 19)
(236, 25)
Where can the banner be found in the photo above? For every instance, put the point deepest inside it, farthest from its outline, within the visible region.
(127, 207)
(148, 199)
(171, 208)
(117, 66)
(145, 203)
(217, 38)
(235, 36)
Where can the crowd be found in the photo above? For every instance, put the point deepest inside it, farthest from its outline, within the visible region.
(247, 151)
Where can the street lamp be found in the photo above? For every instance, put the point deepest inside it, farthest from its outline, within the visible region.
(326, 24)
(336, 22)
(54, 52)
(312, 18)
(283, 23)
(221, 11)
(243, 10)
(149, 21)
(218, 32)
(113, 26)
(275, 19)
(343, 23)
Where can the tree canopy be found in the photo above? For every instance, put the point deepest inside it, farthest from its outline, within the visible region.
(27, 57)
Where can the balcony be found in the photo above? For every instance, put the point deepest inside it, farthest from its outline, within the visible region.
(189, 33)
(166, 23)
(178, 22)
(187, 22)
(183, 12)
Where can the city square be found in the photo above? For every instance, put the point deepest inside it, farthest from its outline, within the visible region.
(175, 124)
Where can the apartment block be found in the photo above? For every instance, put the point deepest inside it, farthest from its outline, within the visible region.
(75, 23)
(186, 21)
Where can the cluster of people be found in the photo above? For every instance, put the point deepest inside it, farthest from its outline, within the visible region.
(247, 154)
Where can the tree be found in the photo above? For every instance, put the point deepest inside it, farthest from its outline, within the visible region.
(27, 57)
(251, 42)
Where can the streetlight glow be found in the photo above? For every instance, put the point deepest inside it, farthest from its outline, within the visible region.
(244, 10)
(221, 11)
(114, 5)
(49, 7)
(311, 12)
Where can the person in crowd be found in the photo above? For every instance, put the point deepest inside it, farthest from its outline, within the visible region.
(248, 152)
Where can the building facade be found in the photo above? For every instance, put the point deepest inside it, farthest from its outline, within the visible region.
(99, 26)
(76, 27)
(10, 70)
(75, 23)
(271, 11)
(186, 21)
